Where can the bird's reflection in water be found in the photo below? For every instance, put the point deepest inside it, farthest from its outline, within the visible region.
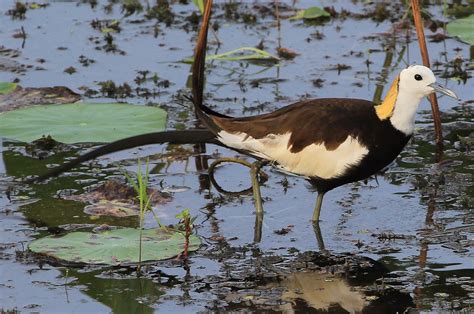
(320, 291)
(306, 292)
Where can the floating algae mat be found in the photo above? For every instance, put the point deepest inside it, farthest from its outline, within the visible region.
(81, 122)
(115, 247)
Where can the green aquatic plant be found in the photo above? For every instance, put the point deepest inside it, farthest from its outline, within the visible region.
(81, 122)
(125, 246)
(200, 5)
(140, 184)
(311, 14)
(185, 223)
(241, 54)
(113, 247)
(6, 88)
(463, 29)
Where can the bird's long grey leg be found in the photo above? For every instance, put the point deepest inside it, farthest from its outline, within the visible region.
(257, 196)
(317, 208)
(257, 236)
(319, 236)
(254, 170)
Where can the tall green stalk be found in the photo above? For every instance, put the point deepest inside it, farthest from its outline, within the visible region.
(141, 187)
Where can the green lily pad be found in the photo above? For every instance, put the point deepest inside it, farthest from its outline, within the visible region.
(115, 247)
(81, 122)
(463, 28)
(6, 87)
(311, 14)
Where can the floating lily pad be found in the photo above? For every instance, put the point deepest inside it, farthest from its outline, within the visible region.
(115, 247)
(311, 14)
(82, 122)
(463, 28)
(6, 88)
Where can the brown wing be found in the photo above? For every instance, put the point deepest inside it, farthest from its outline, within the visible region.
(326, 120)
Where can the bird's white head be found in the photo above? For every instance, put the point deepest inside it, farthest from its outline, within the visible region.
(406, 93)
(419, 81)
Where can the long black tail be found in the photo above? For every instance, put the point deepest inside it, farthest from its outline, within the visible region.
(172, 137)
(203, 112)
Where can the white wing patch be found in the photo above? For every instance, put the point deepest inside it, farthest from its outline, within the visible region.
(313, 161)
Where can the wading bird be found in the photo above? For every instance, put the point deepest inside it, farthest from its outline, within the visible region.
(330, 141)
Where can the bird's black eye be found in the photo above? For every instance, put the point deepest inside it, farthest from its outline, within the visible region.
(418, 77)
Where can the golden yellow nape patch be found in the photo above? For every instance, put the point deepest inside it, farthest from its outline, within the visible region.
(385, 109)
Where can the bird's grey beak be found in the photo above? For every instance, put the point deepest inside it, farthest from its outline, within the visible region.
(443, 90)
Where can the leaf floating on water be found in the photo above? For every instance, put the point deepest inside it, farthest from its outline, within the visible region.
(81, 122)
(6, 88)
(21, 97)
(112, 208)
(242, 54)
(311, 14)
(463, 29)
(115, 247)
(176, 189)
(116, 199)
(35, 6)
(114, 190)
(286, 53)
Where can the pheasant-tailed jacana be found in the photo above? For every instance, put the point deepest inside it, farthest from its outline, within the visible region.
(330, 141)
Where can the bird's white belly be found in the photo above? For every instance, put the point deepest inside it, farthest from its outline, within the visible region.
(313, 161)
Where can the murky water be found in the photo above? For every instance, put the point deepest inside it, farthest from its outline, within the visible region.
(414, 227)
